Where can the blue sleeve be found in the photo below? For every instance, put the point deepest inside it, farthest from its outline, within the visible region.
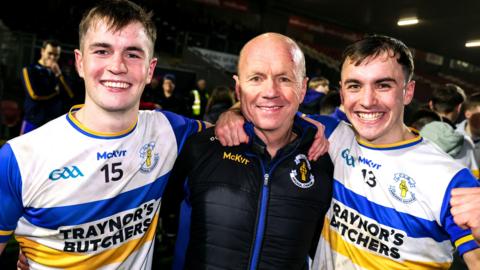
(183, 235)
(11, 205)
(462, 239)
(329, 122)
(183, 127)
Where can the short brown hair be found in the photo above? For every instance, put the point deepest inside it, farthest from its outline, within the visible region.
(118, 14)
(375, 45)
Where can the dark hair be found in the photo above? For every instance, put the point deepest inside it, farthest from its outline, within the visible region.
(220, 94)
(375, 45)
(51, 42)
(422, 117)
(169, 77)
(330, 102)
(447, 97)
(118, 14)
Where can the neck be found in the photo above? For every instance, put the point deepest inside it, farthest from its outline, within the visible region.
(404, 134)
(448, 116)
(106, 122)
(275, 140)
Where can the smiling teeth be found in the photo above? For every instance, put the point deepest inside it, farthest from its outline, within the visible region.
(116, 84)
(370, 116)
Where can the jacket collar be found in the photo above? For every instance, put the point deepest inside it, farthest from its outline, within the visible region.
(304, 130)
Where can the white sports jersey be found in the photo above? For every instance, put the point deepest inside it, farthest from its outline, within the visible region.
(390, 206)
(83, 200)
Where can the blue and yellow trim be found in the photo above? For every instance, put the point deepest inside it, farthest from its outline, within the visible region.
(95, 134)
(463, 240)
(200, 125)
(5, 236)
(391, 146)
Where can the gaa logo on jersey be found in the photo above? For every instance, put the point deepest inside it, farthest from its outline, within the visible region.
(301, 175)
(403, 188)
(149, 158)
(65, 173)
(349, 159)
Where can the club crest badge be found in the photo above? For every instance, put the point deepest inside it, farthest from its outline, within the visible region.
(403, 188)
(149, 157)
(301, 175)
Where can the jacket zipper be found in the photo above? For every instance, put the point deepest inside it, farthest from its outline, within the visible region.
(260, 225)
(257, 244)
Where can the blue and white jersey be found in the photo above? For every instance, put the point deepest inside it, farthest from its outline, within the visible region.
(79, 199)
(390, 206)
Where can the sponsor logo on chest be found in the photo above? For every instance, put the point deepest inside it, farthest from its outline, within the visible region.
(351, 160)
(236, 157)
(112, 154)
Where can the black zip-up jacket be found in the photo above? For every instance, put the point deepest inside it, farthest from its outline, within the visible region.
(245, 211)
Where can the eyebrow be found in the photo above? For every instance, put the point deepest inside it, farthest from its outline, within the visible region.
(99, 44)
(386, 79)
(381, 80)
(106, 45)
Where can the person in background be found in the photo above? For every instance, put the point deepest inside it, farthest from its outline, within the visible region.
(447, 102)
(421, 117)
(332, 105)
(470, 127)
(221, 100)
(198, 99)
(150, 95)
(169, 99)
(452, 142)
(318, 87)
(44, 85)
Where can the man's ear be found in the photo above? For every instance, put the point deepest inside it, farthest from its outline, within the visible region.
(408, 92)
(237, 86)
(151, 69)
(79, 62)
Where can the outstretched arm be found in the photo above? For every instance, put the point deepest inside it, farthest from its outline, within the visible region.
(229, 131)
